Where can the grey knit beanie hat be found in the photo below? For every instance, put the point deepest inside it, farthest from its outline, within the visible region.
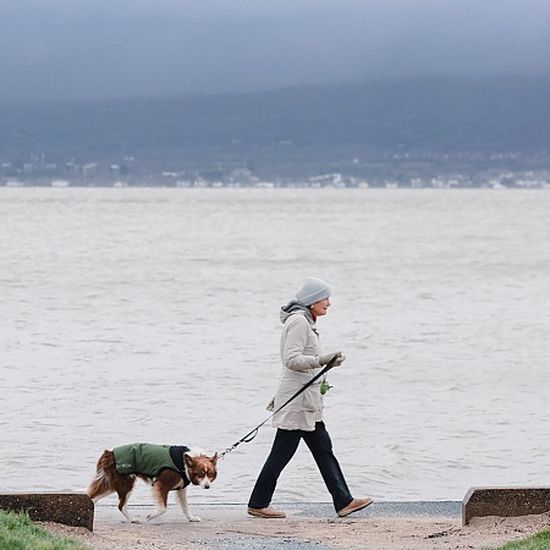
(313, 290)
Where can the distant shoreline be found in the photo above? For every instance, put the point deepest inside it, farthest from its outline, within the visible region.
(538, 185)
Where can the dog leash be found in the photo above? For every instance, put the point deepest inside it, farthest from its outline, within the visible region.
(254, 432)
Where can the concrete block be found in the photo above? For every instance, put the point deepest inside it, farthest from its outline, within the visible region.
(504, 502)
(74, 509)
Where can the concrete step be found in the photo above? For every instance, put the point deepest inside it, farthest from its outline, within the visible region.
(74, 509)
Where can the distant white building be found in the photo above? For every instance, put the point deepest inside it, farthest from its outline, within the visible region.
(327, 180)
(89, 170)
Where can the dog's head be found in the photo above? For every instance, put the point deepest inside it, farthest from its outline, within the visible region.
(201, 468)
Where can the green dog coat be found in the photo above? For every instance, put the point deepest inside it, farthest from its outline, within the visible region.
(149, 459)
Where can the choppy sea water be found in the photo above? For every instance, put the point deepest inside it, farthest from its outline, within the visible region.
(152, 315)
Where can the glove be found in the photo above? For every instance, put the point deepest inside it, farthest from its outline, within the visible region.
(328, 357)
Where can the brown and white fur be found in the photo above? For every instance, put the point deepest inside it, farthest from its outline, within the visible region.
(200, 470)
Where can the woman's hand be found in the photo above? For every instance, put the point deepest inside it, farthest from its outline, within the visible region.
(337, 356)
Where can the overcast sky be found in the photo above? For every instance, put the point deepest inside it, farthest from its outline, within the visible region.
(108, 48)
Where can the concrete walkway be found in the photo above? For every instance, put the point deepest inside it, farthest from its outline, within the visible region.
(308, 526)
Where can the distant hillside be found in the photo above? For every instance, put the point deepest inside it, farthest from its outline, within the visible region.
(297, 126)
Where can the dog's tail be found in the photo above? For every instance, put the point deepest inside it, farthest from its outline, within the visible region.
(101, 484)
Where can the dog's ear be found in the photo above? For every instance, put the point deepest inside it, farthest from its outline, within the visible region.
(188, 460)
(214, 459)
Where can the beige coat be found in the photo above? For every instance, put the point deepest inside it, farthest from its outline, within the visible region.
(300, 351)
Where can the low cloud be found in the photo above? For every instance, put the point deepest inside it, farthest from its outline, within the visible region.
(97, 48)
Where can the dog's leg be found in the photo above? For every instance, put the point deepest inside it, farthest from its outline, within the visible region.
(182, 499)
(160, 494)
(123, 496)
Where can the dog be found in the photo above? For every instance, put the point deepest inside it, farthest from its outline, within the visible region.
(167, 468)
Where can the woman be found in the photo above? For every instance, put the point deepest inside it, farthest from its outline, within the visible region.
(302, 418)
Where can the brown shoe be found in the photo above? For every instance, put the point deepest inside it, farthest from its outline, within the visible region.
(355, 505)
(266, 513)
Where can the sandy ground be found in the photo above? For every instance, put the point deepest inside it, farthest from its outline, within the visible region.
(233, 529)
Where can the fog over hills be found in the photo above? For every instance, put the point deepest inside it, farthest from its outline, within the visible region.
(300, 130)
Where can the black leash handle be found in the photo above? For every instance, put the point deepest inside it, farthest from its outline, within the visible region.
(254, 432)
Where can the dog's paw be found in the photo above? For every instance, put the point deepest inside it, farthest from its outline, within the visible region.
(194, 518)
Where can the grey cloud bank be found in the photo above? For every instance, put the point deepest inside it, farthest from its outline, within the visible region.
(86, 49)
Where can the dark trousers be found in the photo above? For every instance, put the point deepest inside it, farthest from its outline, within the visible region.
(283, 449)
